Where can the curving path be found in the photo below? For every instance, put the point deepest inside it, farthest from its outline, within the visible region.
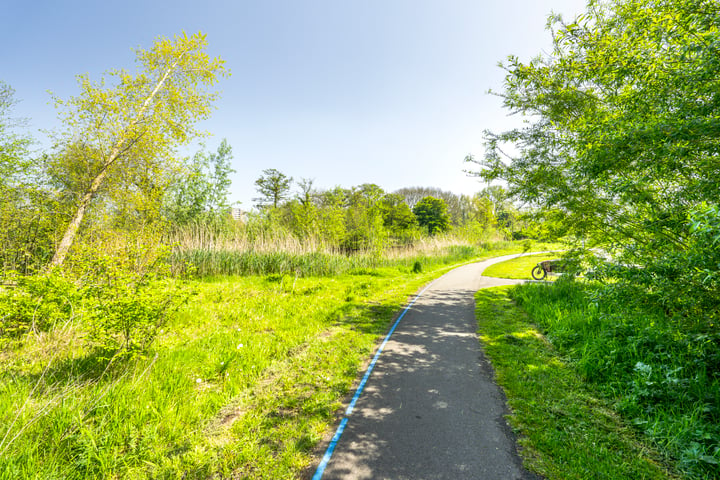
(431, 409)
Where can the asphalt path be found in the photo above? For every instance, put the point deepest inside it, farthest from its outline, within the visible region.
(430, 408)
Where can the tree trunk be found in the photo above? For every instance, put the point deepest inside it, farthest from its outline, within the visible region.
(67, 240)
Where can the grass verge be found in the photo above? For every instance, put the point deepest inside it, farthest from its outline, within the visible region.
(566, 431)
(242, 382)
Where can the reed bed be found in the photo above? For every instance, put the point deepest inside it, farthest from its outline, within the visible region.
(207, 253)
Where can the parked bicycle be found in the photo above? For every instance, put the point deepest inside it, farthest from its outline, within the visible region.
(542, 269)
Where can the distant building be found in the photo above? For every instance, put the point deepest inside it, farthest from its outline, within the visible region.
(238, 214)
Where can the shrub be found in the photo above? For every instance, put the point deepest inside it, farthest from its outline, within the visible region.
(127, 298)
(35, 303)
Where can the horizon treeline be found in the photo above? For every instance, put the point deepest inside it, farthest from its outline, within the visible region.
(181, 199)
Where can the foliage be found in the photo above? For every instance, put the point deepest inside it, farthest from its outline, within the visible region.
(36, 304)
(684, 284)
(622, 136)
(273, 186)
(432, 215)
(26, 209)
(660, 374)
(127, 299)
(398, 218)
(458, 206)
(566, 428)
(119, 298)
(120, 138)
(200, 194)
(364, 225)
(620, 147)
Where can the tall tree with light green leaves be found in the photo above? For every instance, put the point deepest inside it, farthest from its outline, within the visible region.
(623, 136)
(133, 123)
(201, 192)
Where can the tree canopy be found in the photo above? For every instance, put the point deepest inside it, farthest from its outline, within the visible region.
(273, 186)
(432, 214)
(201, 191)
(127, 128)
(623, 135)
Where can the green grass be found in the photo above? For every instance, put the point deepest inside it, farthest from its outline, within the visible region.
(518, 268)
(243, 382)
(660, 373)
(566, 430)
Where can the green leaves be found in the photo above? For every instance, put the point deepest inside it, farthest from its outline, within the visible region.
(200, 192)
(274, 186)
(129, 127)
(432, 214)
(623, 121)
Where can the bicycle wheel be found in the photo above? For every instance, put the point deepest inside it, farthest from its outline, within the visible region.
(538, 273)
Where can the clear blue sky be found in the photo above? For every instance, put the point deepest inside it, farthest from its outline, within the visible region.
(392, 92)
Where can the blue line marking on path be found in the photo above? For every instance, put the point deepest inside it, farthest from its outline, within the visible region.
(341, 428)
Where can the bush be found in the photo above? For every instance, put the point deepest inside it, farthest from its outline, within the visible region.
(126, 298)
(120, 299)
(35, 303)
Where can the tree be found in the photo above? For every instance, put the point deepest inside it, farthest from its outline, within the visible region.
(331, 215)
(363, 219)
(458, 207)
(201, 191)
(432, 214)
(274, 186)
(14, 156)
(138, 121)
(303, 211)
(483, 211)
(25, 203)
(622, 135)
(398, 219)
(307, 193)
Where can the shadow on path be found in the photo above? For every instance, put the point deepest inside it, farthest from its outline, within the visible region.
(431, 408)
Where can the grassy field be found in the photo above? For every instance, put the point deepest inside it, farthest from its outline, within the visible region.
(242, 382)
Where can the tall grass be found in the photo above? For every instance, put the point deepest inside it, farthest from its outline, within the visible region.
(661, 374)
(242, 382)
(208, 253)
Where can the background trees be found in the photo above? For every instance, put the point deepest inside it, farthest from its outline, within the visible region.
(432, 215)
(273, 186)
(201, 191)
(25, 205)
(366, 218)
